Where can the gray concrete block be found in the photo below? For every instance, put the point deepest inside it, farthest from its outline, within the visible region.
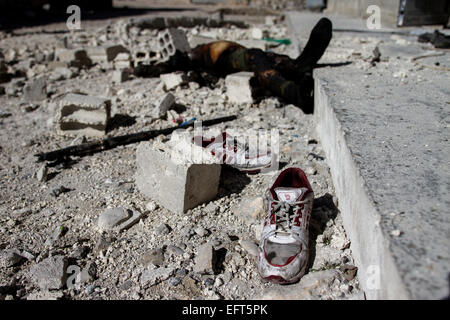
(238, 87)
(176, 185)
(81, 114)
(172, 40)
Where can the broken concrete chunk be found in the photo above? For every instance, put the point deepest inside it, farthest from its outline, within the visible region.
(173, 80)
(80, 114)
(205, 260)
(175, 183)
(35, 90)
(105, 53)
(155, 276)
(50, 273)
(164, 104)
(74, 57)
(117, 219)
(119, 76)
(238, 87)
(250, 209)
(172, 40)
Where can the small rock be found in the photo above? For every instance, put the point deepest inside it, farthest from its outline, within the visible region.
(88, 274)
(163, 229)
(50, 273)
(396, 233)
(205, 260)
(118, 219)
(35, 90)
(155, 276)
(155, 257)
(177, 251)
(349, 271)
(56, 191)
(174, 281)
(151, 206)
(10, 258)
(250, 247)
(45, 295)
(173, 80)
(250, 209)
(201, 231)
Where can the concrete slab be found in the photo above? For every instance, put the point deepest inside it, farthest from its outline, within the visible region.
(385, 131)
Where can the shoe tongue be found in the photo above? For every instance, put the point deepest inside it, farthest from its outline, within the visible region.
(289, 195)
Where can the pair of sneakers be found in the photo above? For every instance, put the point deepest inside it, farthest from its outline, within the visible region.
(283, 249)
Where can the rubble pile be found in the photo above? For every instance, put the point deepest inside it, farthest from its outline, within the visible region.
(113, 225)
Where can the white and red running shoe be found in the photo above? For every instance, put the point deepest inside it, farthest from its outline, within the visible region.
(283, 249)
(235, 154)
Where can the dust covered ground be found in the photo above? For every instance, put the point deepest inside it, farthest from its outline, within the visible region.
(40, 220)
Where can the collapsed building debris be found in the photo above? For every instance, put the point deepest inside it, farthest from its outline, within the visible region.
(112, 142)
(282, 76)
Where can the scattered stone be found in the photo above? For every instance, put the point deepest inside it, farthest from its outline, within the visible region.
(155, 257)
(174, 281)
(56, 191)
(22, 212)
(41, 174)
(164, 104)
(396, 233)
(250, 247)
(173, 80)
(177, 251)
(80, 114)
(155, 276)
(238, 87)
(35, 90)
(163, 229)
(106, 53)
(250, 209)
(50, 273)
(205, 260)
(62, 73)
(74, 57)
(151, 206)
(118, 219)
(45, 295)
(10, 258)
(349, 271)
(202, 232)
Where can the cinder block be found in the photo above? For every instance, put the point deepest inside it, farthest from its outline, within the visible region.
(238, 87)
(80, 114)
(176, 185)
(146, 56)
(171, 40)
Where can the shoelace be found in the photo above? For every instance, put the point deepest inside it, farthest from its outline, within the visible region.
(283, 212)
